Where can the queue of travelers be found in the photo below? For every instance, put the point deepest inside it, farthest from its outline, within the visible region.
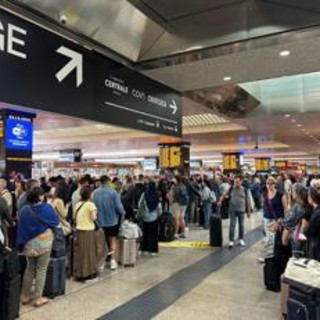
(35, 208)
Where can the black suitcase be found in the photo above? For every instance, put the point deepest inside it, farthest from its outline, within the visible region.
(56, 278)
(272, 275)
(10, 286)
(11, 299)
(303, 302)
(166, 227)
(215, 230)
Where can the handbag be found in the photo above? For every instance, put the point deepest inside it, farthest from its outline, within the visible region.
(59, 240)
(64, 224)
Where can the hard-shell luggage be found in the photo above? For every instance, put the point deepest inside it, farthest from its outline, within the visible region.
(56, 278)
(272, 275)
(10, 299)
(284, 297)
(166, 227)
(303, 303)
(127, 252)
(216, 238)
(59, 248)
(10, 285)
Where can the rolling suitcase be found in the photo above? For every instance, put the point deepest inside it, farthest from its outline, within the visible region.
(272, 275)
(128, 252)
(303, 302)
(56, 278)
(10, 286)
(215, 230)
(284, 298)
(166, 227)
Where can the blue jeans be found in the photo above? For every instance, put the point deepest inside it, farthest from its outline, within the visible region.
(234, 216)
(207, 211)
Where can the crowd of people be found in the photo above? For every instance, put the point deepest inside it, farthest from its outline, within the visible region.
(31, 212)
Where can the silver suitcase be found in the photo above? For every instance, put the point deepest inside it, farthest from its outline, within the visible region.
(128, 252)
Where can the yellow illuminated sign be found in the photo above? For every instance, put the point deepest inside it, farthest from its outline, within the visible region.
(170, 157)
(175, 157)
(262, 164)
(230, 162)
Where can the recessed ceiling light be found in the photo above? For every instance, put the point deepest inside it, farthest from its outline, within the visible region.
(303, 129)
(287, 116)
(299, 125)
(284, 53)
(227, 78)
(293, 120)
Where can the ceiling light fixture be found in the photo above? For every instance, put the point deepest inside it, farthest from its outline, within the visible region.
(284, 53)
(293, 120)
(287, 116)
(227, 78)
(299, 125)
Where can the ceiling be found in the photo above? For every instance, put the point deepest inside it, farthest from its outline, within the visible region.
(192, 46)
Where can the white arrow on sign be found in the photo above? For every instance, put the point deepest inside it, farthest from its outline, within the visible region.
(76, 62)
(174, 107)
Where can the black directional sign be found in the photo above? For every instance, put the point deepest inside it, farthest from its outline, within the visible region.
(42, 70)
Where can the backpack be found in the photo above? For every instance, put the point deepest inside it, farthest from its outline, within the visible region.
(208, 195)
(130, 230)
(166, 227)
(182, 195)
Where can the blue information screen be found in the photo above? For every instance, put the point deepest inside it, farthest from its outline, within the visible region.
(19, 134)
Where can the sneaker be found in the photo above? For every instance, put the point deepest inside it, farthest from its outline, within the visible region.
(91, 281)
(153, 254)
(242, 243)
(183, 236)
(231, 244)
(102, 267)
(113, 265)
(176, 237)
(261, 260)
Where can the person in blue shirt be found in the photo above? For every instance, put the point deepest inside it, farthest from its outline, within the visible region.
(110, 210)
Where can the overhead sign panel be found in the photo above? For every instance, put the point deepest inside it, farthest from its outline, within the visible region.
(42, 70)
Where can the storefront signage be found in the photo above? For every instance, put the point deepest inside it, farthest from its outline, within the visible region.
(42, 70)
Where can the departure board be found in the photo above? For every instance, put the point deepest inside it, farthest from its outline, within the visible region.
(164, 157)
(262, 164)
(281, 164)
(175, 156)
(231, 161)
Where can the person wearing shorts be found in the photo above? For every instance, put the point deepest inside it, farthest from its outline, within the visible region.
(110, 212)
(179, 206)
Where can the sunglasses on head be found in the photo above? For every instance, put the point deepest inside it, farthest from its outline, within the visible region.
(270, 183)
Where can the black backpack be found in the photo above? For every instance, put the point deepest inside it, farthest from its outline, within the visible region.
(182, 195)
(166, 227)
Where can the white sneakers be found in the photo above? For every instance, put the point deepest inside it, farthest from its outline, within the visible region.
(113, 264)
(241, 243)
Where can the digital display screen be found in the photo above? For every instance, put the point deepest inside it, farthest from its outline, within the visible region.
(231, 161)
(262, 164)
(19, 133)
(150, 164)
(171, 157)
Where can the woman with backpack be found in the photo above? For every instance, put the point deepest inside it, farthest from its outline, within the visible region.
(208, 197)
(149, 212)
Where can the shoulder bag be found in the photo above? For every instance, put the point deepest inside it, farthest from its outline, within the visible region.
(59, 241)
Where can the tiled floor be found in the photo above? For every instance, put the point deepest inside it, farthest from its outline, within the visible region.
(234, 292)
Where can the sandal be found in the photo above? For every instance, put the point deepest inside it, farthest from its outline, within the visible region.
(26, 301)
(40, 302)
